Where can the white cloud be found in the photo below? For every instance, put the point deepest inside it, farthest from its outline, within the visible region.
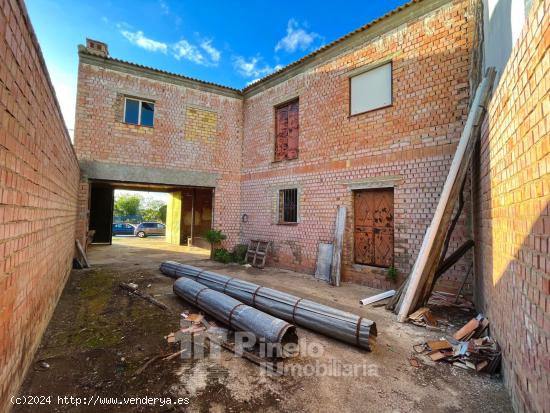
(209, 56)
(138, 39)
(296, 38)
(252, 81)
(214, 53)
(253, 67)
(164, 7)
(204, 53)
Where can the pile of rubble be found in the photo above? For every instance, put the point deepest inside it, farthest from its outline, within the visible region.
(470, 348)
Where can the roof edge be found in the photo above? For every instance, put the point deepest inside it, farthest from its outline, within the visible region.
(155, 74)
(377, 27)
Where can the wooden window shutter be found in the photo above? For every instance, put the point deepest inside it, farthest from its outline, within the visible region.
(281, 144)
(293, 130)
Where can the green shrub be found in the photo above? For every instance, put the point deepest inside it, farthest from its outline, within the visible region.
(214, 237)
(392, 273)
(222, 255)
(239, 252)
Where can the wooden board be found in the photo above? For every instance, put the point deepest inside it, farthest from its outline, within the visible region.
(338, 245)
(439, 345)
(82, 253)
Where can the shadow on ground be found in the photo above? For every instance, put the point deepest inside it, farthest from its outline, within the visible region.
(100, 337)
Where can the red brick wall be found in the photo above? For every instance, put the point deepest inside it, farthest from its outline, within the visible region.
(412, 141)
(38, 195)
(100, 134)
(512, 215)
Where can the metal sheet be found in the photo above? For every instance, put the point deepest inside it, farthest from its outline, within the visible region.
(324, 261)
(235, 314)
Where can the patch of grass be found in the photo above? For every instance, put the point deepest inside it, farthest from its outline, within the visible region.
(96, 328)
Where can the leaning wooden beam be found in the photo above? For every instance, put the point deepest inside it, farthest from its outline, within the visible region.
(82, 254)
(445, 265)
(430, 252)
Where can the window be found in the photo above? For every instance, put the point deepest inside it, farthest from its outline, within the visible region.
(371, 90)
(288, 206)
(139, 112)
(373, 227)
(287, 129)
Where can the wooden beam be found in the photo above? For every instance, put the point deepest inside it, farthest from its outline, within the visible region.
(82, 253)
(427, 261)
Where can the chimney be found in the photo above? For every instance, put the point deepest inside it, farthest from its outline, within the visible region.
(96, 47)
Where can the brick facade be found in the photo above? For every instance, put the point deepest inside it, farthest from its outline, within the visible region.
(512, 215)
(195, 131)
(39, 177)
(408, 146)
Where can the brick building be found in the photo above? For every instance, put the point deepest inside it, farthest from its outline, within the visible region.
(274, 160)
(285, 151)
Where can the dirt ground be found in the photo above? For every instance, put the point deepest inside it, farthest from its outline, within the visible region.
(99, 337)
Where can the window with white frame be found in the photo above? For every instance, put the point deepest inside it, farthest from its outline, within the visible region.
(139, 112)
(371, 89)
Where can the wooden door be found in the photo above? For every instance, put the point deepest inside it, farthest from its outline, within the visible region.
(101, 213)
(373, 227)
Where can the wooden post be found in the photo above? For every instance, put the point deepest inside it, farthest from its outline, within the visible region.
(193, 219)
(338, 244)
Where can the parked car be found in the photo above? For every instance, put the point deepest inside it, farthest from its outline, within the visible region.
(123, 229)
(149, 228)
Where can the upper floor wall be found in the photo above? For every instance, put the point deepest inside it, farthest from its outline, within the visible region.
(195, 126)
(428, 51)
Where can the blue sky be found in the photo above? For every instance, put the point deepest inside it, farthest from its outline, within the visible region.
(227, 42)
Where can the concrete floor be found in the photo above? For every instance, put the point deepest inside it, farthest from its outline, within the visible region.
(382, 380)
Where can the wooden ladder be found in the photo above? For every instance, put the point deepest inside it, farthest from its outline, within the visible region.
(257, 253)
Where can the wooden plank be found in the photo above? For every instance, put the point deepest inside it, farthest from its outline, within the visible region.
(82, 253)
(337, 246)
(467, 329)
(430, 252)
(438, 355)
(439, 345)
